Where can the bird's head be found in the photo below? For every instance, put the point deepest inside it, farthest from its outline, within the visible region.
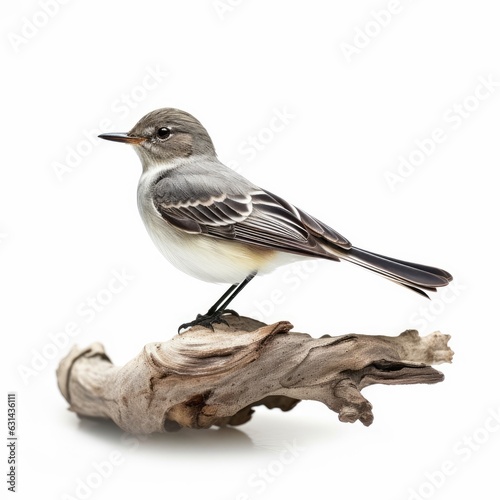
(166, 135)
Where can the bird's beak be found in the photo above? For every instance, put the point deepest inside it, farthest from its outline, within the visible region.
(122, 137)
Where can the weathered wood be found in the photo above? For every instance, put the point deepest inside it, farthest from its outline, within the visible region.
(203, 378)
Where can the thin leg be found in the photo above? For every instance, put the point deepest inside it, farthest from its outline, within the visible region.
(240, 287)
(226, 293)
(215, 313)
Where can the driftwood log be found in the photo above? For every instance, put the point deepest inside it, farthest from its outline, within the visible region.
(203, 378)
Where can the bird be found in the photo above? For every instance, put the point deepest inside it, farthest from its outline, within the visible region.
(215, 225)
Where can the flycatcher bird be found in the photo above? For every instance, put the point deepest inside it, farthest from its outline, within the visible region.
(214, 224)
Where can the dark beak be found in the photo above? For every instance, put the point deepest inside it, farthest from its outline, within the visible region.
(122, 137)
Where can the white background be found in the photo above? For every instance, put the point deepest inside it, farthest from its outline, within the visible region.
(353, 117)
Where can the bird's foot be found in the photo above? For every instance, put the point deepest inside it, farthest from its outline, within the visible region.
(209, 319)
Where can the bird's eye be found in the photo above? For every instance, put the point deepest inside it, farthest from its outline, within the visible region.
(163, 133)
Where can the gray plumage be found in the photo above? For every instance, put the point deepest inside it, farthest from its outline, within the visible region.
(211, 222)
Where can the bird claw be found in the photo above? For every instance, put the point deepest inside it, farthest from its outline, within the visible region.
(208, 320)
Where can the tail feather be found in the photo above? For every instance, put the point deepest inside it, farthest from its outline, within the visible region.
(417, 277)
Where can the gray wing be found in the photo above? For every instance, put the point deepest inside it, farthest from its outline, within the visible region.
(247, 215)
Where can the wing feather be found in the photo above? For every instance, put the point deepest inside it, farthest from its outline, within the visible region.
(256, 217)
(239, 211)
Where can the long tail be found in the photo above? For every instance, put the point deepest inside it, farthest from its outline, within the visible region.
(417, 277)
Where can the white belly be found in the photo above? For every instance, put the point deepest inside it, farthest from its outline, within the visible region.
(204, 257)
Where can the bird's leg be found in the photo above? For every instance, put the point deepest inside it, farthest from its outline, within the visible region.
(238, 289)
(214, 308)
(215, 313)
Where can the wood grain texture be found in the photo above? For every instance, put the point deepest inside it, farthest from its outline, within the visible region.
(203, 378)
